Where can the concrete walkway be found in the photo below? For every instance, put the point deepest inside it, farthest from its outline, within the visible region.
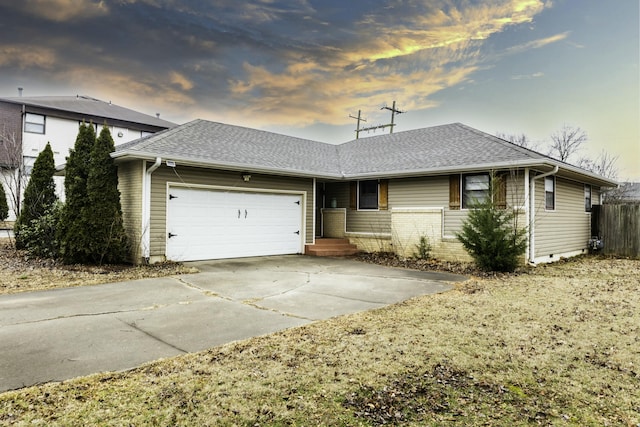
(60, 334)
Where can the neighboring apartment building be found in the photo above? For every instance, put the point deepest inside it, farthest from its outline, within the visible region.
(28, 123)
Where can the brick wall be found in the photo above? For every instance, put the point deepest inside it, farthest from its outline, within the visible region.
(333, 222)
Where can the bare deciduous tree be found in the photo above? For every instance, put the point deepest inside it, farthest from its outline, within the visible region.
(521, 140)
(12, 168)
(566, 142)
(604, 164)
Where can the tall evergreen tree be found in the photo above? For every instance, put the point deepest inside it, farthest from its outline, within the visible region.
(74, 229)
(4, 206)
(104, 212)
(40, 194)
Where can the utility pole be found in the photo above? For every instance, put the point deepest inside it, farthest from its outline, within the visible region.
(359, 119)
(394, 111)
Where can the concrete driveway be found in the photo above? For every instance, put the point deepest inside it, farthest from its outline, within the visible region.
(60, 334)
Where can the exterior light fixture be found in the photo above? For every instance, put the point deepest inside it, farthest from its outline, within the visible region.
(246, 176)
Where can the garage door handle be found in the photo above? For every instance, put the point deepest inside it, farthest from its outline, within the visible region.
(238, 213)
(171, 235)
(245, 214)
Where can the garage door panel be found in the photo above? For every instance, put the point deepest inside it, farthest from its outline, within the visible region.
(208, 224)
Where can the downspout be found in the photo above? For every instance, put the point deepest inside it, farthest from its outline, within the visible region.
(532, 215)
(146, 209)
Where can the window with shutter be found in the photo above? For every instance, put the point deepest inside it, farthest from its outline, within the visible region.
(475, 190)
(368, 194)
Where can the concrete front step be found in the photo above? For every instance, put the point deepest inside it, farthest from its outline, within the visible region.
(331, 247)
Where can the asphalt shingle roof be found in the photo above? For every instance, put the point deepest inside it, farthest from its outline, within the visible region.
(85, 105)
(434, 150)
(439, 147)
(219, 144)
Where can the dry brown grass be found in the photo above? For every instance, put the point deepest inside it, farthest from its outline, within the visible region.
(555, 346)
(20, 273)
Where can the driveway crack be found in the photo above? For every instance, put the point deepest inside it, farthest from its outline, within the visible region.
(150, 335)
(71, 316)
(201, 290)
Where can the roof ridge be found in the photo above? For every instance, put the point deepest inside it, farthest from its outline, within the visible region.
(504, 142)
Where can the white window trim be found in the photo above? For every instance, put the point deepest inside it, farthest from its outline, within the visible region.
(43, 124)
(590, 198)
(462, 203)
(555, 192)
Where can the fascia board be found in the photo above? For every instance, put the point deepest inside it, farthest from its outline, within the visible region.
(240, 167)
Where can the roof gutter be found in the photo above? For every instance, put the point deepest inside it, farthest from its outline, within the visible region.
(532, 207)
(146, 209)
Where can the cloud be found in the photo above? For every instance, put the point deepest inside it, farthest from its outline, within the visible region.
(180, 80)
(64, 10)
(25, 56)
(409, 51)
(277, 62)
(537, 44)
(527, 76)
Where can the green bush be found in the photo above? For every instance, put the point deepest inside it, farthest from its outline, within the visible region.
(108, 242)
(39, 196)
(39, 237)
(492, 238)
(74, 231)
(423, 249)
(91, 226)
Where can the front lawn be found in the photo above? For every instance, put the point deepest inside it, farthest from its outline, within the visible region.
(556, 345)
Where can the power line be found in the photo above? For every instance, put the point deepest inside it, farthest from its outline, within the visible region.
(391, 125)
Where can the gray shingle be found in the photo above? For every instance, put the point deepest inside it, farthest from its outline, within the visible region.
(434, 148)
(440, 148)
(85, 105)
(220, 144)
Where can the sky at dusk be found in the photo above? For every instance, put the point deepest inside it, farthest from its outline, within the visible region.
(301, 67)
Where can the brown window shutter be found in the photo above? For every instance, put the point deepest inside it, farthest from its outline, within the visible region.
(454, 192)
(353, 195)
(500, 191)
(383, 196)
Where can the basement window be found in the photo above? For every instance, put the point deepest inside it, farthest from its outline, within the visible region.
(34, 123)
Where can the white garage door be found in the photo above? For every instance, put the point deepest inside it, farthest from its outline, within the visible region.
(207, 224)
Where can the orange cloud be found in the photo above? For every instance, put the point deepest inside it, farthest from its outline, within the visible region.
(410, 61)
(65, 10)
(180, 80)
(25, 56)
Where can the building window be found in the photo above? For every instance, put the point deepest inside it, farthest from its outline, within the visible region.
(475, 190)
(34, 123)
(550, 193)
(587, 198)
(368, 194)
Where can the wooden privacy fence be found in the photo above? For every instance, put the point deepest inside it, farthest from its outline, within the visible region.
(619, 227)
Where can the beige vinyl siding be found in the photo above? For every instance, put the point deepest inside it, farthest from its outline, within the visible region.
(565, 229)
(130, 175)
(364, 221)
(200, 176)
(430, 192)
(376, 222)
